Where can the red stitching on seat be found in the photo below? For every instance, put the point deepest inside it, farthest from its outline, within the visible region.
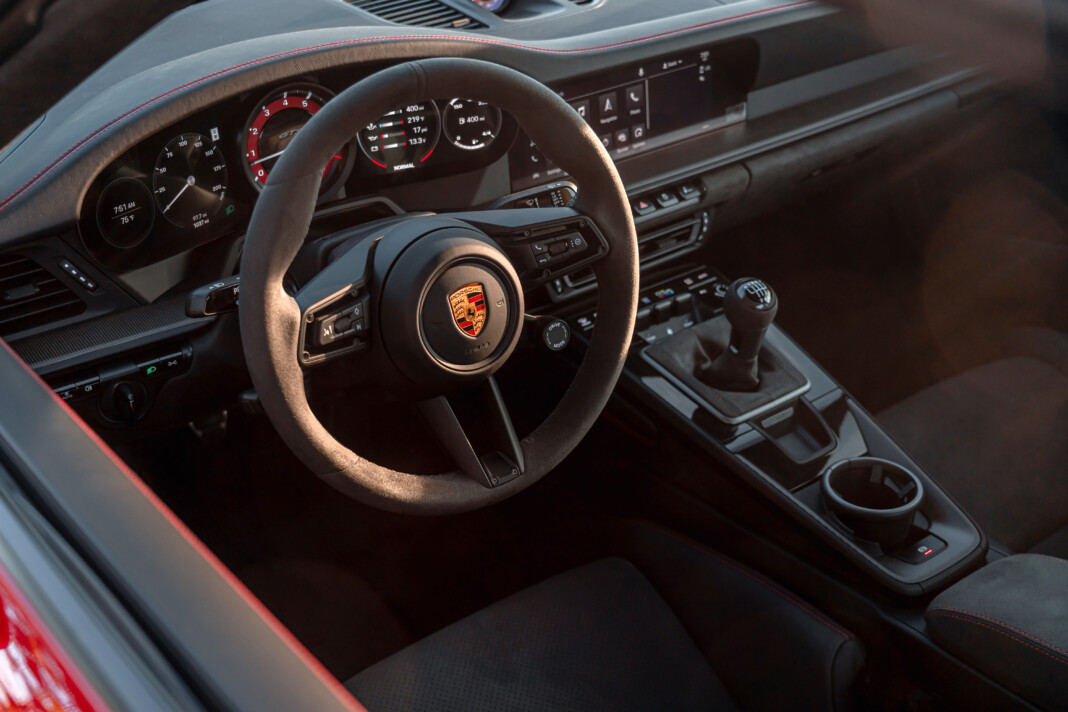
(766, 583)
(276, 626)
(1002, 624)
(1010, 636)
(9, 200)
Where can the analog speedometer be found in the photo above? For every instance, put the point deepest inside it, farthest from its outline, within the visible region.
(189, 181)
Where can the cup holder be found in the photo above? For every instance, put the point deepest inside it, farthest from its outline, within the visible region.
(876, 498)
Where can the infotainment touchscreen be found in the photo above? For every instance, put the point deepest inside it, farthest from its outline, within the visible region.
(637, 108)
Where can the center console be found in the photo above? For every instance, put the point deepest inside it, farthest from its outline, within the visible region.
(707, 355)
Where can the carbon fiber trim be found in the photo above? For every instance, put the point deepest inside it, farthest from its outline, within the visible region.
(107, 335)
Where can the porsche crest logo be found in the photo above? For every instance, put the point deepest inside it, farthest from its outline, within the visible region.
(469, 308)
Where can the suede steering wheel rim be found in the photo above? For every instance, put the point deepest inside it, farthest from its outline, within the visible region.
(270, 318)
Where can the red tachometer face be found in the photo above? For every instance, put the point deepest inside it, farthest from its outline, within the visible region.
(274, 125)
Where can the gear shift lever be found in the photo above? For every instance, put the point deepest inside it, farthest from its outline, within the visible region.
(750, 306)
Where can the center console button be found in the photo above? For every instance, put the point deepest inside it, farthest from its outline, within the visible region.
(687, 191)
(66, 393)
(87, 388)
(684, 303)
(926, 548)
(644, 319)
(666, 199)
(662, 311)
(644, 207)
(148, 369)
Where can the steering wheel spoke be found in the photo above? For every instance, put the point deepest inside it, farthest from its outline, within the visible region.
(489, 431)
(445, 293)
(542, 243)
(335, 307)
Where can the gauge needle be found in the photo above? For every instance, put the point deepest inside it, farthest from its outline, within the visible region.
(191, 180)
(267, 158)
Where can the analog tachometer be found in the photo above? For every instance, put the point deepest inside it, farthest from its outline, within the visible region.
(274, 125)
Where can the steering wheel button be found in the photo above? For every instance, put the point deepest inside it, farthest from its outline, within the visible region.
(558, 248)
(342, 326)
(539, 247)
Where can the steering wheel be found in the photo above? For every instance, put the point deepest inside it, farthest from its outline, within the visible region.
(434, 303)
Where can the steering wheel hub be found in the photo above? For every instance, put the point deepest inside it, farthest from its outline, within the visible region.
(451, 307)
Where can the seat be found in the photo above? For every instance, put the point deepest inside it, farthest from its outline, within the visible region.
(671, 627)
(995, 438)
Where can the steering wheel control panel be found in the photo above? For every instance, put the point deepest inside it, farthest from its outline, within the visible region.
(123, 391)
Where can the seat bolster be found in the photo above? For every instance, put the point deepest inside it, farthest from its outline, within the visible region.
(772, 649)
(594, 638)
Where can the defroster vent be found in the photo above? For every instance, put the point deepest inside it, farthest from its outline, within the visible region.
(31, 296)
(421, 13)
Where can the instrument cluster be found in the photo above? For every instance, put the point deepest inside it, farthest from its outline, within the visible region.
(198, 180)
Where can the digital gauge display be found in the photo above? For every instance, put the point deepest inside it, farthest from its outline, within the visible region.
(402, 139)
(471, 125)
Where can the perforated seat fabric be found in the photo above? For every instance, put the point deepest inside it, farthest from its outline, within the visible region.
(995, 439)
(604, 637)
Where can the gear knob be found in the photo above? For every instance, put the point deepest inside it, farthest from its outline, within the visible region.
(750, 306)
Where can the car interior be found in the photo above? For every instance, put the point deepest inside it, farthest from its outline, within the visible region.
(531, 354)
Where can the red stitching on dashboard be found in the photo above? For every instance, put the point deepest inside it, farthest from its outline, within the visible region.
(9, 200)
(276, 626)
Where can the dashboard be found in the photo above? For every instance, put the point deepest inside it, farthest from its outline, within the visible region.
(197, 180)
(136, 189)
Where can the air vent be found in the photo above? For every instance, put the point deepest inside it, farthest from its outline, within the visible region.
(423, 13)
(30, 296)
